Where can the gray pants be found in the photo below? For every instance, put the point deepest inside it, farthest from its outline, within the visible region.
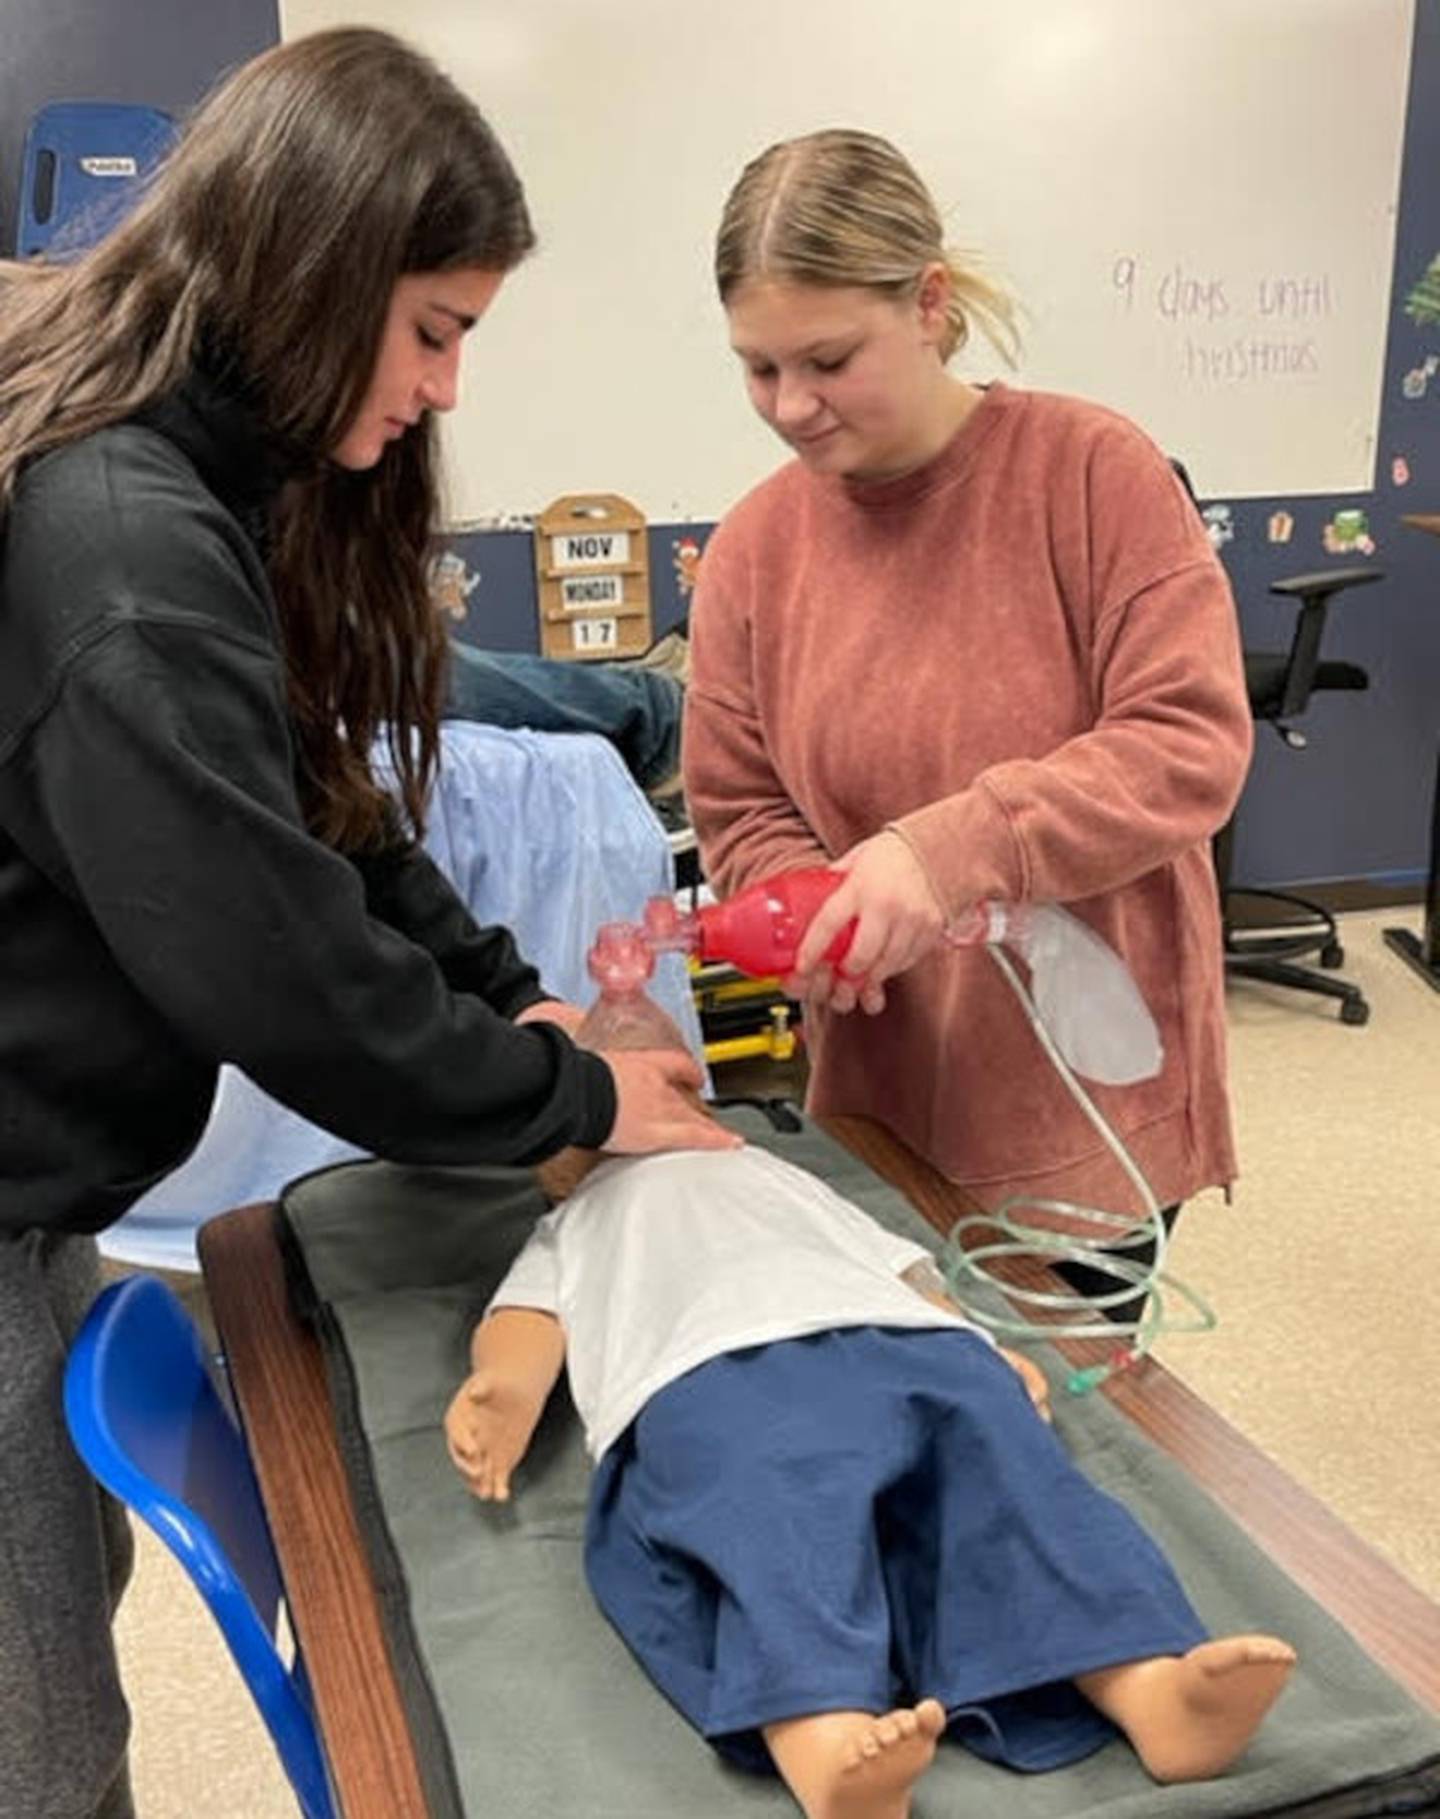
(65, 1555)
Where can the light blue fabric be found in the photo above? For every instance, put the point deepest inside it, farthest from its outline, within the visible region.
(544, 833)
(637, 709)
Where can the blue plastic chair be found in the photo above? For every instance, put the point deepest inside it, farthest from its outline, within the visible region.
(148, 1421)
(84, 167)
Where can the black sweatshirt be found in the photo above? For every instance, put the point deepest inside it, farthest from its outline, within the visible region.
(162, 907)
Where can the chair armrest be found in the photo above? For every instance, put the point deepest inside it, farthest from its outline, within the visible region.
(1313, 594)
(1322, 585)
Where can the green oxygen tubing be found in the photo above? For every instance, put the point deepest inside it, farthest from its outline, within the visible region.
(1091, 1020)
(1089, 1017)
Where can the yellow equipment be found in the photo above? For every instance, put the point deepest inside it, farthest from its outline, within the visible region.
(740, 1016)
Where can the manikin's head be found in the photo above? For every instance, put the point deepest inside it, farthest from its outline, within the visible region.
(561, 1174)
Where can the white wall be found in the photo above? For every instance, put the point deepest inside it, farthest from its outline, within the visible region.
(1195, 200)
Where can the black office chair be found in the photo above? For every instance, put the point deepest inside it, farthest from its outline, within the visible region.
(1280, 684)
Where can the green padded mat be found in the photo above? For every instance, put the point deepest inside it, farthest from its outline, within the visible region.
(523, 1703)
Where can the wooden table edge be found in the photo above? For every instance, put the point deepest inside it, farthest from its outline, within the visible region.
(278, 1375)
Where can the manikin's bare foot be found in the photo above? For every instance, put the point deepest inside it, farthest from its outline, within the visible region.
(853, 1765)
(1190, 1716)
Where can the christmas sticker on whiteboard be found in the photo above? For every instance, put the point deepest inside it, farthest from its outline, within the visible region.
(582, 593)
(592, 635)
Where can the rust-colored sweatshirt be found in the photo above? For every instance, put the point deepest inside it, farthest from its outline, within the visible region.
(1023, 656)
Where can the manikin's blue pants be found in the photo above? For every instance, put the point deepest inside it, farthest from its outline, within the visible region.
(636, 709)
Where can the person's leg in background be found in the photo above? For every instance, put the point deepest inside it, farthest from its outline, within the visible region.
(635, 707)
(65, 1555)
(670, 653)
(1090, 1280)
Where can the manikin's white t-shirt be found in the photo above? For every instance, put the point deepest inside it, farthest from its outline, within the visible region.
(657, 1263)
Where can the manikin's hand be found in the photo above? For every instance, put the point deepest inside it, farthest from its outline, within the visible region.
(927, 1281)
(487, 1429)
(657, 1104)
(900, 921)
(1030, 1374)
(569, 1017)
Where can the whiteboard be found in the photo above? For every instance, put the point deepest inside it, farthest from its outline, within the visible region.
(1195, 203)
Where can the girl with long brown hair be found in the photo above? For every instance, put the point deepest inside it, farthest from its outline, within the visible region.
(217, 494)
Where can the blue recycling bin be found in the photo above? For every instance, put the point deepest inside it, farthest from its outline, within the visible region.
(84, 167)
